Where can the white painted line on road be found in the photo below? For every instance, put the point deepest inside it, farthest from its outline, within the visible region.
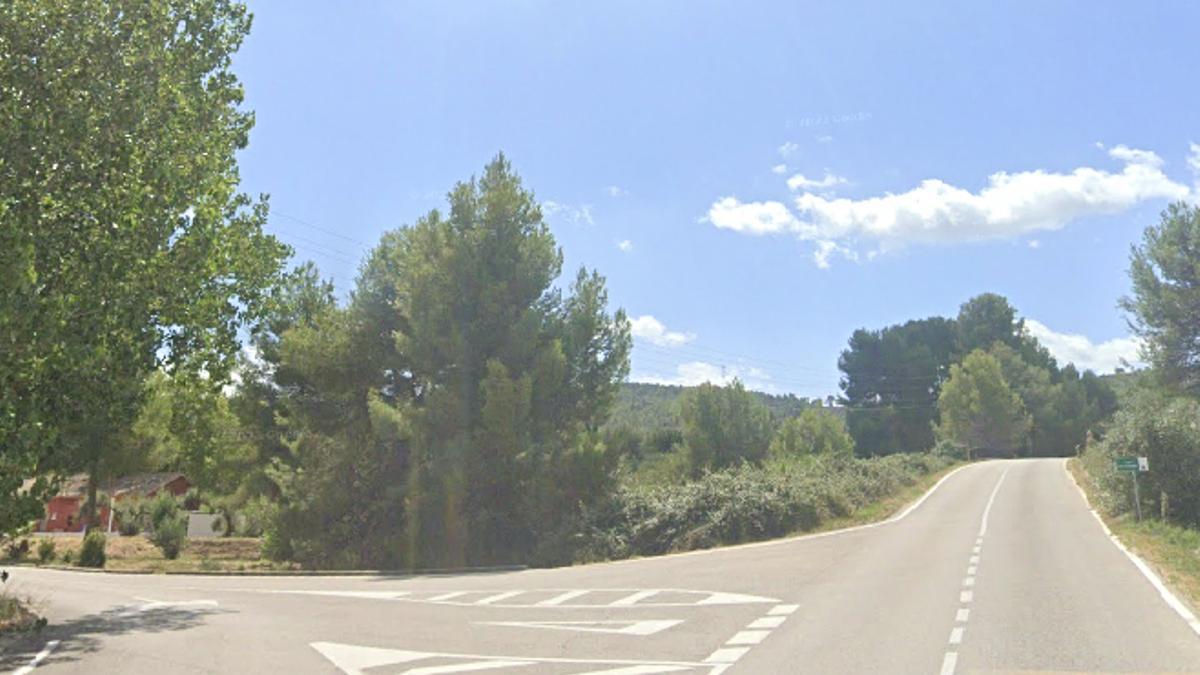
(466, 667)
(354, 659)
(497, 597)
(987, 511)
(726, 655)
(783, 610)
(971, 570)
(616, 627)
(974, 560)
(1164, 592)
(732, 599)
(38, 658)
(448, 596)
(969, 581)
(978, 540)
(966, 596)
(949, 662)
(956, 635)
(748, 637)
(963, 615)
(975, 550)
(637, 670)
(561, 598)
(768, 622)
(633, 599)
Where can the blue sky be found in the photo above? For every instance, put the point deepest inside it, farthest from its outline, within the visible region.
(756, 180)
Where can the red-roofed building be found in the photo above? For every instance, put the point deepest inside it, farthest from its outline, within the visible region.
(62, 511)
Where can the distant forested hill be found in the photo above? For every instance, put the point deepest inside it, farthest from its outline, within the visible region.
(649, 407)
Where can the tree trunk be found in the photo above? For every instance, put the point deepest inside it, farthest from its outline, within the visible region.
(89, 510)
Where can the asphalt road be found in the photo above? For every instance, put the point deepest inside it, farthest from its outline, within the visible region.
(1002, 568)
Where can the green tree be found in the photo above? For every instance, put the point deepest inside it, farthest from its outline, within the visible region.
(724, 425)
(813, 432)
(124, 244)
(986, 319)
(1164, 309)
(979, 410)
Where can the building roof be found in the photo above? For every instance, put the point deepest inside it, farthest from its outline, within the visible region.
(138, 485)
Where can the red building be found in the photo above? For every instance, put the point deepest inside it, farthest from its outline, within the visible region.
(62, 511)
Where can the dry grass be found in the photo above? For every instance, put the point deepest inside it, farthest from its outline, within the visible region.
(15, 616)
(1173, 551)
(136, 553)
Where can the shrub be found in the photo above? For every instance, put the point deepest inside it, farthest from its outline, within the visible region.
(68, 557)
(16, 550)
(169, 536)
(45, 551)
(91, 554)
(131, 516)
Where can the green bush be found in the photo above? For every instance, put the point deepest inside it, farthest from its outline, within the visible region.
(131, 516)
(16, 550)
(68, 557)
(45, 551)
(169, 536)
(91, 554)
(744, 503)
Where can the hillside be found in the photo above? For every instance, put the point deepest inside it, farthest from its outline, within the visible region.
(649, 407)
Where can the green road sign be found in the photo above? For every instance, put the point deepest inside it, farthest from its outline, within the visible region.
(1126, 464)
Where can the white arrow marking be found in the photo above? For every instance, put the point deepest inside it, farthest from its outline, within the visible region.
(466, 667)
(648, 627)
(638, 670)
(353, 660)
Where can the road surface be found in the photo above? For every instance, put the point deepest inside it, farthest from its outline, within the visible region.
(1002, 568)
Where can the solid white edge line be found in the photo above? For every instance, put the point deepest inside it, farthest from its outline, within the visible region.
(987, 510)
(38, 658)
(1165, 593)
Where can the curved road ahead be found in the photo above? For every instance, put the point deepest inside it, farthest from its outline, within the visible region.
(1002, 568)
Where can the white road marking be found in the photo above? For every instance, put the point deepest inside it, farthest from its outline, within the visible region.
(975, 550)
(949, 662)
(974, 560)
(354, 659)
(966, 596)
(617, 627)
(726, 655)
(639, 670)
(466, 667)
(733, 599)
(562, 597)
(448, 596)
(963, 615)
(972, 569)
(498, 597)
(1163, 592)
(748, 637)
(365, 595)
(633, 598)
(38, 658)
(987, 511)
(969, 581)
(768, 622)
(956, 635)
(783, 610)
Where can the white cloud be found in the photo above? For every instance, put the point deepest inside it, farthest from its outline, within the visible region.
(1194, 158)
(625, 245)
(825, 139)
(616, 191)
(553, 210)
(1034, 243)
(693, 373)
(1101, 357)
(788, 149)
(935, 212)
(753, 217)
(800, 182)
(653, 331)
(779, 169)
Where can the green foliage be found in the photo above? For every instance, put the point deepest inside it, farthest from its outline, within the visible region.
(45, 551)
(124, 244)
(167, 525)
(979, 410)
(815, 431)
(1165, 430)
(654, 408)
(986, 319)
(723, 426)
(91, 553)
(1165, 273)
(743, 503)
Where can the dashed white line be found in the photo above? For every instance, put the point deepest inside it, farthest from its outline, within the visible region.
(966, 596)
(974, 560)
(783, 610)
(949, 662)
(632, 599)
(447, 596)
(963, 615)
(497, 597)
(767, 622)
(969, 581)
(38, 658)
(748, 637)
(956, 635)
(561, 598)
(726, 655)
(971, 570)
